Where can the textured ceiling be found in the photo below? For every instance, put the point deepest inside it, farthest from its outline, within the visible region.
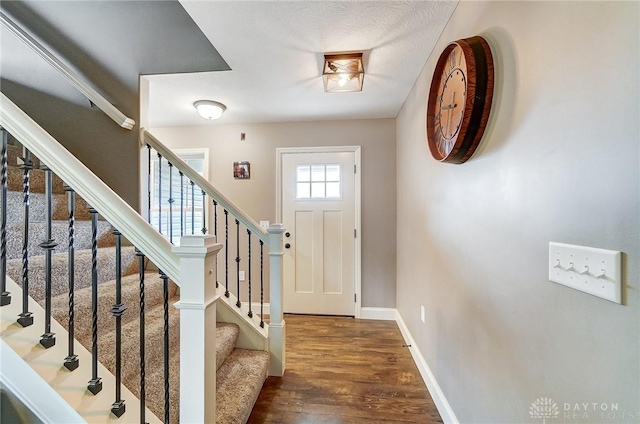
(275, 52)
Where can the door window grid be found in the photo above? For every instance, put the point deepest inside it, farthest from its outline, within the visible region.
(318, 181)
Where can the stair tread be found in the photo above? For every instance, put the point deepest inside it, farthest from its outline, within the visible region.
(226, 336)
(154, 335)
(37, 211)
(59, 269)
(154, 359)
(155, 388)
(59, 233)
(15, 177)
(14, 153)
(130, 297)
(238, 384)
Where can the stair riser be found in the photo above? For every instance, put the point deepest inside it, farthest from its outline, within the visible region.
(226, 337)
(59, 270)
(37, 207)
(238, 384)
(155, 387)
(154, 339)
(15, 152)
(130, 298)
(154, 327)
(60, 234)
(15, 177)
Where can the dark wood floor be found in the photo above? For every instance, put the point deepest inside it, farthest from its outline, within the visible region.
(343, 370)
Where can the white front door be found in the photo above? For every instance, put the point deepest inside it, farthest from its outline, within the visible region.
(319, 216)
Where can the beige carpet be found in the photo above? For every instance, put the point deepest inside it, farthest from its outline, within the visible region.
(240, 374)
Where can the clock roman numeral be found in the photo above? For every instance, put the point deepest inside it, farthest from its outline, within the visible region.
(452, 61)
(442, 146)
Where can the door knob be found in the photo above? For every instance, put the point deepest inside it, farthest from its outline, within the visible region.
(286, 246)
(287, 234)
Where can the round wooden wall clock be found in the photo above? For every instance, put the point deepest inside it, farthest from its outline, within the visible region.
(460, 100)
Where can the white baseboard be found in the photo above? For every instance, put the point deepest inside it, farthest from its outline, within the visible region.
(385, 314)
(392, 314)
(255, 307)
(432, 385)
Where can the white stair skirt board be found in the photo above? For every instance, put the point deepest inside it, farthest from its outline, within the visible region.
(255, 307)
(35, 393)
(383, 314)
(46, 364)
(448, 417)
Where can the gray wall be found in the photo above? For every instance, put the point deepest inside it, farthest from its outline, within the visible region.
(559, 162)
(257, 196)
(109, 44)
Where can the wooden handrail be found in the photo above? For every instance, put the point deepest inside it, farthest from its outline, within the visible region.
(147, 138)
(90, 187)
(71, 76)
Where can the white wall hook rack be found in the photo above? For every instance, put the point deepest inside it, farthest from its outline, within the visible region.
(607, 283)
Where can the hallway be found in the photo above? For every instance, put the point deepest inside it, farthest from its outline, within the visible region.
(343, 370)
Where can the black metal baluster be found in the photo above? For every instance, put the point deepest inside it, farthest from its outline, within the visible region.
(215, 233)
(170, 201)
(48, 338)
(181, 204)
(261, 284)
(204, 216)
(193, 209)
(165, 293)
(71, 361)
(5, 296)
(238, 303)
(95, 384)
(149, 184)
(159, 193)
(250, 314)
(226, 253)
(118, 407)
(140, 256)
(25, 318)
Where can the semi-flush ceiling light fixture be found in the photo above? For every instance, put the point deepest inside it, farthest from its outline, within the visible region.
(209, 109)
(343, 72)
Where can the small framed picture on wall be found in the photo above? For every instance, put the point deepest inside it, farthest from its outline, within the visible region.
(241, 170)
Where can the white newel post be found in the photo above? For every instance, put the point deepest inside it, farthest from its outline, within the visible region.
(276, 318)
(197, 328)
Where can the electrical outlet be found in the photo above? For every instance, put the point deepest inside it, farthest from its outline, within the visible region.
(422, 313)
(241, 275)
(264, 225)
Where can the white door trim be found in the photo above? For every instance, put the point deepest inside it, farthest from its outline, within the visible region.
(358, 202)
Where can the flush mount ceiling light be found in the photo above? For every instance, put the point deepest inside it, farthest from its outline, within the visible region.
(209, 109)
(343, 72)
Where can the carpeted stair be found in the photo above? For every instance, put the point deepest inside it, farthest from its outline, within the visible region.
(240, 373)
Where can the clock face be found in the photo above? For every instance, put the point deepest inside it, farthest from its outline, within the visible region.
(459, 100)
(450, 105)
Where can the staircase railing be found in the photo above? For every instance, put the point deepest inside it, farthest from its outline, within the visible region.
(89, 186)
(187, 265)
(238, 244)
(71, 76)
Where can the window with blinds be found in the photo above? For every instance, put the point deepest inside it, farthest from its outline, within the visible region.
(177, 209)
